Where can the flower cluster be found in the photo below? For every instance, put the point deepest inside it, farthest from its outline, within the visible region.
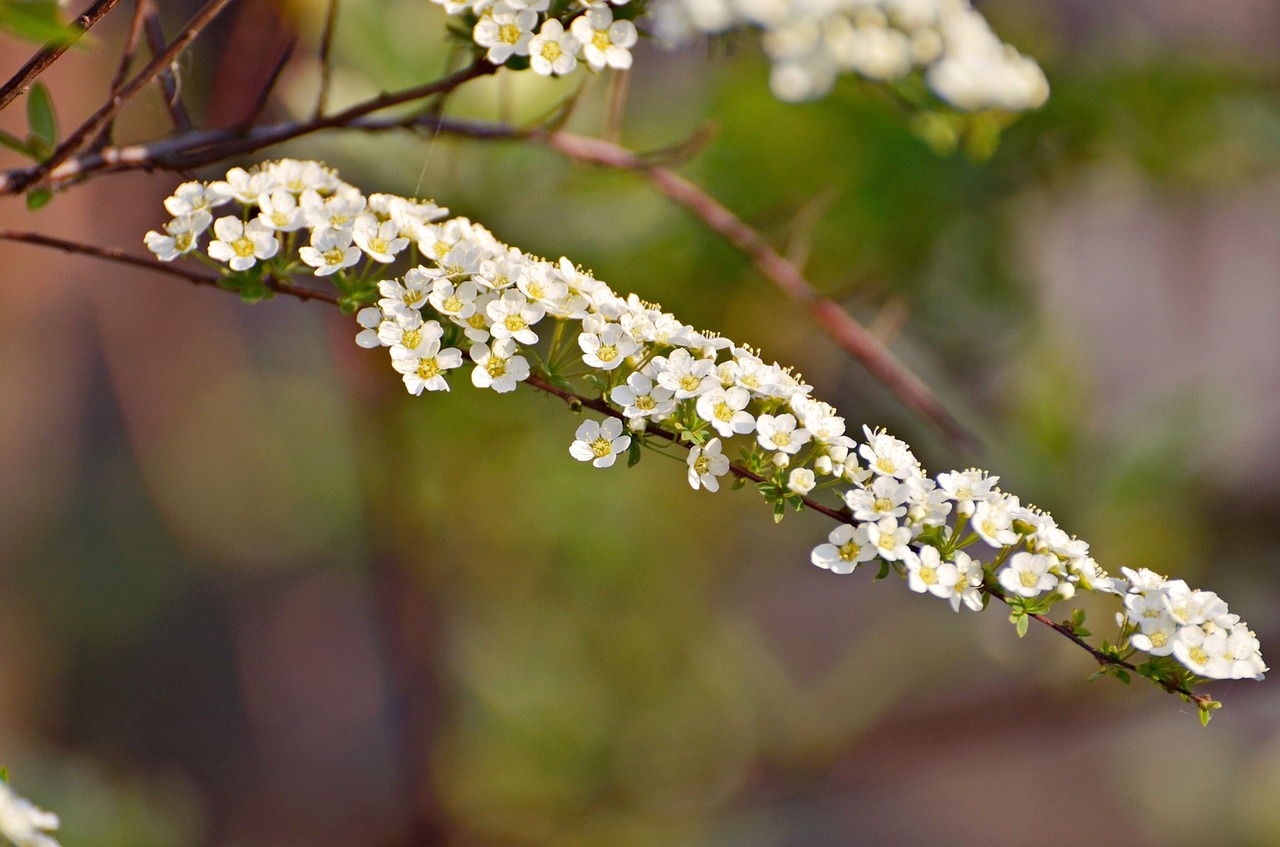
(809, 44)
(527, 31)
(23, 823)
(518, 317)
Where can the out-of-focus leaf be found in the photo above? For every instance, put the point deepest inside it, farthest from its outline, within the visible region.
(40, 117)
(15, 144)
(38, 198)
(35, 20)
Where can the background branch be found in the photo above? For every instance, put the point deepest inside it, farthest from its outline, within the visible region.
(49, 54)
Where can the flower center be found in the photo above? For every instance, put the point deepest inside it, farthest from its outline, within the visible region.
(514, 323)
(411, 338)
(645, 403)
(601, 447)
(601, 40)
(607, 353)
(334, 256)
(495, 366)
(242, 246)
(428, 368)
(551, 51)
(849, 550)
(509, 34)
(702, 465)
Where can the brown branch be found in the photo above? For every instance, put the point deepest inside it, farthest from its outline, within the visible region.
(264, 95)
(575, 400)
(49, 54)
(99, 119)
(122, 69)
(168, 82)
(838, 324)
(326, 66)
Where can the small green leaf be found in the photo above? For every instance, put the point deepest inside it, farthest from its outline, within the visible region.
(38, 198)
(15, 144)
(1098, 674)
(1082, 632)
(1023, 623)
(885, 567)
(633, 453)
(40, 117)
(1123, 675)
(1205, 716)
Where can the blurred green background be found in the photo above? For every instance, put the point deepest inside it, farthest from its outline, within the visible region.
(254, 594)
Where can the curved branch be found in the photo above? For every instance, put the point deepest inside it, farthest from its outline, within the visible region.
(574, 399)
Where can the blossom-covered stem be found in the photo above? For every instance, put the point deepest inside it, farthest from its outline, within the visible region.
(49, 54)
(95, 122)
(1105, 658)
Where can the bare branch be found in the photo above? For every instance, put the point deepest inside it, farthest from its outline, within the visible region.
(127, 52)
(326, 67)
(49, 54)
(168, 81)
(264, 95)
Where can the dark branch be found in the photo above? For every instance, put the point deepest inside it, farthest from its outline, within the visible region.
(49, 54)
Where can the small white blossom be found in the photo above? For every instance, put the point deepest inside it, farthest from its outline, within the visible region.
(553, 51)
(706, 465)
(242, 245)
(599, 442)
(330, 251)
(801, 481)
(846, 548)
(927, 572)
(640, 398)
(182, 235)
(724, 410)
(23, 823)
(498, 367)
(605, 42)
(1028, 574)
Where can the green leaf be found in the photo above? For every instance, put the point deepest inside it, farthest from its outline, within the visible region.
(1098, 674)
(35, 21)
(38, 198)
(1122, 675)
(633, 453)
(1205, 716)
(1023, 623)
(40, 117)
(15, 144)
(885, 567)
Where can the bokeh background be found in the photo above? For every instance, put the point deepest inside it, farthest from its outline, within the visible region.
(254, 594)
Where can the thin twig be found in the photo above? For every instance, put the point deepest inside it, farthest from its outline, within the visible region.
(98, 119)
(264, 95)
(168, 80)
(574, 400)
(49, 54)
(325, 57)
(127, 52)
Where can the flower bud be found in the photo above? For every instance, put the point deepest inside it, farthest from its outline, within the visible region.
(781, 460)
(1067, 590)
(801, 481)
(823, 465)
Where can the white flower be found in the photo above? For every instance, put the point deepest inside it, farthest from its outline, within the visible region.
(599, 442)
(706, 464)
(457, 302)
(404, 296)
(241, 245)
(640, 398)
(505, 31)
(370, 319)
(779, 432)
(379, 241)
(498, 367)
(965, 488)
(338, 211)
(801, 481)
(605, 43)
(423, 366)
(888, 456)
(846, 548)
(607, 348)
(407, 333)
(723, 409)
(553, 51)
(885, 499)
(685, 375)
(330, 251)
(968, 588)
(280, 211)
(993, 521)
(192, 197)
(512, 316)
(927, 572)
(242, 185)
(1028, 574)
(183, 236)
(23, 823)
(889, 539)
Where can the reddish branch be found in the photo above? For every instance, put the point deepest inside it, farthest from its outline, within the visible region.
(49, 54)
